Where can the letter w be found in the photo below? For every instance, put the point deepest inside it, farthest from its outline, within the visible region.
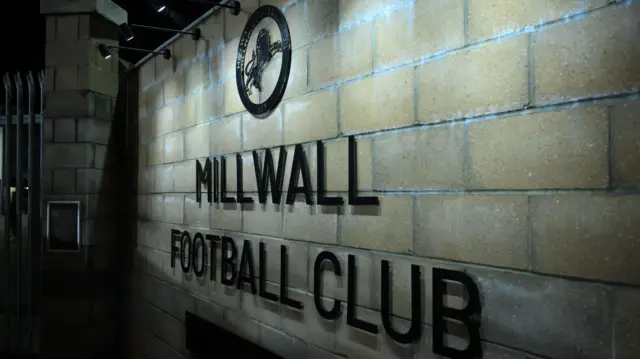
(203, 176)
(266, 175)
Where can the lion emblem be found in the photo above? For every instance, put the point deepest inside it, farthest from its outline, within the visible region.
(262, 54)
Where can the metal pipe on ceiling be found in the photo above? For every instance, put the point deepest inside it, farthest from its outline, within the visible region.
(189, 27)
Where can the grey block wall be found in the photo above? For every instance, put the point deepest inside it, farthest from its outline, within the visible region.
(80, 153)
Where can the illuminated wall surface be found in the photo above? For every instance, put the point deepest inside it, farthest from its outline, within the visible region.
(501, 139)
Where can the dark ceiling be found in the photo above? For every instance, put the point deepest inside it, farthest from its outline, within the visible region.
(22, 36)
(26, 51)
(142, 12)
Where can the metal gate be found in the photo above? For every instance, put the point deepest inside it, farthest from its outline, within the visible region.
(21, 212)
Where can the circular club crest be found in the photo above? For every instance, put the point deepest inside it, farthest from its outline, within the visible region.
(250, 75)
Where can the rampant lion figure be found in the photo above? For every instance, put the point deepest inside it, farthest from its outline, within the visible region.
(262, 54)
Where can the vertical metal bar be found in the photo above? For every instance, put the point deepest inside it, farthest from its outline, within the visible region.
(19, 194)
(7, 207)
(31, 204)
(38, 240)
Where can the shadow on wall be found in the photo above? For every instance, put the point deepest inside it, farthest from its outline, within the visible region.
(87, 283)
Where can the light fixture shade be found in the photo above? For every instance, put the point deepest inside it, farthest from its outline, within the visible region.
(126, 31)
(104, 51)
(234, 8)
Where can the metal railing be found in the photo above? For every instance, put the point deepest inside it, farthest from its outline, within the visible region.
(22, 108)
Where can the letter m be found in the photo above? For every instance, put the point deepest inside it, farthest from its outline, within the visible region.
(203, 177)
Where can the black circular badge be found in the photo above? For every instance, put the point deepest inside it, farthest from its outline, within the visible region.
(249, 76)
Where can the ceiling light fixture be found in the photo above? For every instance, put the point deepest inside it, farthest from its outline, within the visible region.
(105, 52)
(159, 5)
(126, 31)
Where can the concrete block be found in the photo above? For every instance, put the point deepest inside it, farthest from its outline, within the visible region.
(229, 57)
(68, 155)
(211, 103)
(232, 102)
(183, 176)
(564, 149)
(226, 216)
(156, 151)
(239, 323)
(164, 178)
(487, 79)
(184, 49)
(419, 159)
(311, 117)
(173, 209)
(593, 56)
(196, 141)
(489, 18)
(93, 181)
(106, 8)
(69, 104)
(376, 103)
(212, 34)
(424, 29)
(156, 208)
(162, 121)
(353, 12)
(51, 28)
(101, 156)
(281, 343)
(225, 136)
(209, 311)
(94, 130)
(196, 214)
(388, 227)
(184, 113)
(196, 76)
(61, 53)
(626, 314)
(260, 309)
(516, 305)
(625, 147)
(341, 57)
(587, 236)
(486, 229)
(67, 78)
(314, 352)
(311, 223)
(311, 20)
(265, 133)
(174, 147)
(146, 75)
(174, 87)
(65, 130)
(64, 181)
(234, 25)
(265, 219)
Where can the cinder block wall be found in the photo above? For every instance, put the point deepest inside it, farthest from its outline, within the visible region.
(81, 151)
(500, 136)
